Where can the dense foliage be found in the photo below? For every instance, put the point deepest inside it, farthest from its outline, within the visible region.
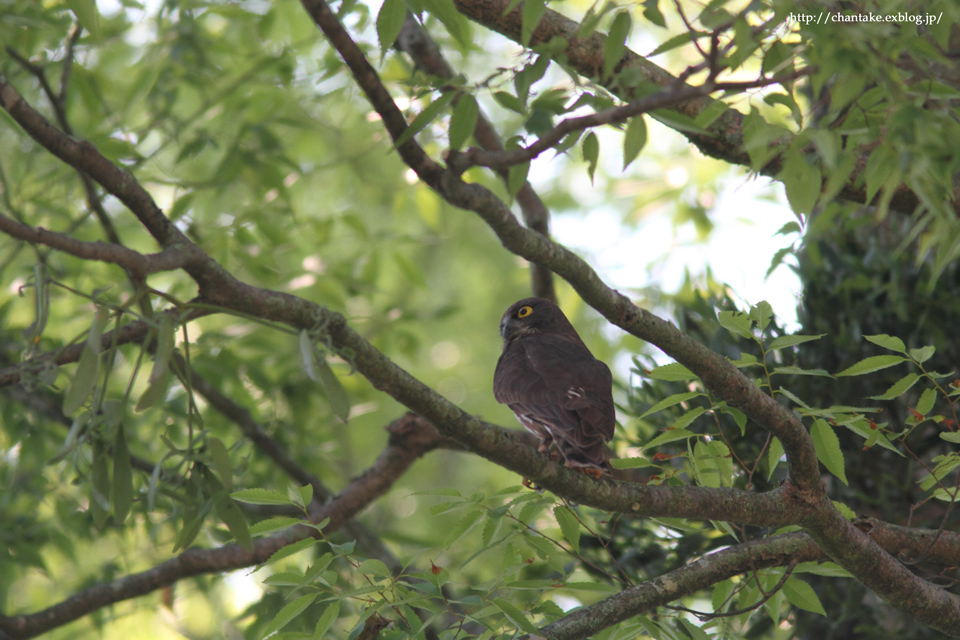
(253, 258)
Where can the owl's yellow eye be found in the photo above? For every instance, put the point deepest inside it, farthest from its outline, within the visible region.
(524, 311)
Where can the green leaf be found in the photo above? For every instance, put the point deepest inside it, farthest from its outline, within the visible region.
(922, 354)
(517, 177)
(273, 524)
(289, 611)
(569, 526)
(616, 43)
(154, 392)
(330, 615)
(802, 181)
(630, 463)
(509, 101)
(793, 396)
(336, 394)
(888, 342)
(797, 371)
(389, 23)
(515, 616)
(926, 401)
(871, 364)
(827, 445)
(165, 341)
(260, 496)
(425, 117)
(464, 120)
(634, 139)
(530, 14)
(670, 435)
(736, 322)
(801, 595)
(99, 485)
(774, 454)
(305, 495)
(122, 477)
(290, 549)
(670, 401)
(899, 387)
(87, 15)
(791, 341)
(651, 11)
(687, 418)
(220, 460)
(461, 528)
(232, 516)
(84, 381)
(456, 24)
(673, 372)
(591, 152)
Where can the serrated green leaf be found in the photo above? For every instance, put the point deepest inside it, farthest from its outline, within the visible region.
(329, 616)
(793, 396)
(273, 524)
(673, 372)
(425, 117)
(926, 401)
(871, 364)
(456, 24)
(305, 493)
(290, 549)
(791, 341)
(460, 529)
(688, 417)
(615, 44)
(797, 371)
(950, 436)
(801, 595)
(634, 139)
(736, 322)
(514, 615)
(569, 526)
(630, 463)
(827, 445)
(761, 313)
(671, 435)
(389, 22)
(260, 496)
(84, 381)
(289, 611)
(888, 342)
(670, 401)
(122, 478)
(591, 152)
(464, 120)
(899, 387)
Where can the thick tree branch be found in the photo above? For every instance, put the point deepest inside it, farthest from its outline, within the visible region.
(404, 448)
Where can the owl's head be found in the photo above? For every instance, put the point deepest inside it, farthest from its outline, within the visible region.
(535, 316)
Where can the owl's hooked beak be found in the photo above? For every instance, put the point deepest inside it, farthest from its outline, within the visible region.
(511, 329)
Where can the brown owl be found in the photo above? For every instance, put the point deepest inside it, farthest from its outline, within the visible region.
(554, 385)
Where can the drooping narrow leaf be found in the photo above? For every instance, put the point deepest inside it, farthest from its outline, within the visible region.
(220, 460)
(122, 477)
(591, 152)
(634, 139)
(827, 446)
(329, 616)
(99, 485)
(260, 496)
(84, 381)
(336, 394)
(530, 15)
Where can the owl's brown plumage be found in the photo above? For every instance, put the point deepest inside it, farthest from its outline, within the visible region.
(553, 384)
